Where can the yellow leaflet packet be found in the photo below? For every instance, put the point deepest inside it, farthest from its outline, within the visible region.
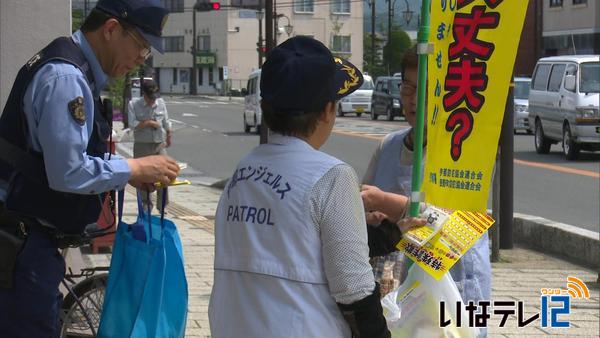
(457, 235)
(175, 182)
(435, 220)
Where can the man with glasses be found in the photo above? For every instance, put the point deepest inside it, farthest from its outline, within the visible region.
(54, 166)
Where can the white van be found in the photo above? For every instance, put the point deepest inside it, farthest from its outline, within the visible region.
(360, 101)
(252, 112)
(563, 104)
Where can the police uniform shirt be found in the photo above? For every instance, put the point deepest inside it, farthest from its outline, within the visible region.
(139, 111)
(63, 140)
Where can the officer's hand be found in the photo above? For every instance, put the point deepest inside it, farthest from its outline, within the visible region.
(408, 223)
(152, 169)
(372, 197)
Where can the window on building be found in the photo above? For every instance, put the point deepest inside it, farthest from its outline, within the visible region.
(341, 44)
(221, 74)
(173, 43)
(173, 5)
(579, 2)
(200, 76)
(203, 43)
(556, 3)
(184, 76)
(556, 78)
(175, 76)
(211, 76)
(306, 6)
(340, 6)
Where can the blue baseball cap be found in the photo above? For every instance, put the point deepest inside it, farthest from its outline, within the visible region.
(301, 74)
(147, 16)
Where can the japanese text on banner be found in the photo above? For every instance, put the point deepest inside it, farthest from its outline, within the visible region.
(475, 44)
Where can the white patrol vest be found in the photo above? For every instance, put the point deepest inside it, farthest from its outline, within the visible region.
(269, 274)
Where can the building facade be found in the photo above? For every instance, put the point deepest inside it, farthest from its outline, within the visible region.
(25, 28)
(571, 27)
(227, 41)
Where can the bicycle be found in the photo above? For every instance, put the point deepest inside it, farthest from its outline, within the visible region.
(82, 304)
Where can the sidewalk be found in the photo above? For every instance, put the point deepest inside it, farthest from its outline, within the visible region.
(518, 277)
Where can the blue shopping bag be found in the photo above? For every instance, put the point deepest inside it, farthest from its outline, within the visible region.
(147, 292)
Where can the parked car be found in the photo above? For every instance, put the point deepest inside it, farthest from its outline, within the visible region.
(521, 99)
(252, 111)
(360, 101)
(136, 85)
(386, 98)
(563, 104)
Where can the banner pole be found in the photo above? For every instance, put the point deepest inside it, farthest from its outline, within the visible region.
(422, 51)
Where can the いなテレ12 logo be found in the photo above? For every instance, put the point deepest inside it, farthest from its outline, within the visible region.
(557, 302)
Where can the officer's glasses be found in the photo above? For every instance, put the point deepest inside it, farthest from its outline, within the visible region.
(144, 51)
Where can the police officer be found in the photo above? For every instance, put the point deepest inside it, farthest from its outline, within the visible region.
(54, 165)
(291, 250)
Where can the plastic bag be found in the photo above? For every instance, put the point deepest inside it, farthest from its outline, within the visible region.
(147, 293)
(413, 309)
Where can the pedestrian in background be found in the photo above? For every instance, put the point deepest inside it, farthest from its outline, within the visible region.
(151, 131)
(54, 161)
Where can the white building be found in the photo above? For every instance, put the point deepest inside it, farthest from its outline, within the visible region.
(571, 27)
(25, 28)
(227, 40)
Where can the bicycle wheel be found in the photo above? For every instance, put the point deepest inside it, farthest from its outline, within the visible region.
(77, 319)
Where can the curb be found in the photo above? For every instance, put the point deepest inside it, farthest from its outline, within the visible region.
(567, 241)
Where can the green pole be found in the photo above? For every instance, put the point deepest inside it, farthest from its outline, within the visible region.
(422, 40)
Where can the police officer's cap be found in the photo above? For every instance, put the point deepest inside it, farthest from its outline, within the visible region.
(301, 73)
(148, 17)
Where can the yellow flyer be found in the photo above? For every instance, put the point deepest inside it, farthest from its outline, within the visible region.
(475, 44)
(458, 234)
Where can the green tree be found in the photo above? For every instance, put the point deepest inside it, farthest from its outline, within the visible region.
(77, 19)
(377, 68)
(394, 50)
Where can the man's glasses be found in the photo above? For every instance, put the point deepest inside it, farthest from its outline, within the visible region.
(144, 51)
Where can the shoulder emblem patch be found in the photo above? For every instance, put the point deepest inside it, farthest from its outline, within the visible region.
(37, 57)
(77, 111)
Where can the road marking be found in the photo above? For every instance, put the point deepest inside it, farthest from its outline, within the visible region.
(189, 115)
(358, 134)
(559, 168)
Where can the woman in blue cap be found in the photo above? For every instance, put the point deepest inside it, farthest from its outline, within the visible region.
(291, 250)
(54, 166)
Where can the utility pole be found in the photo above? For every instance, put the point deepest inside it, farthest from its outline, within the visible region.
(270, 44)
(193, 81)
(275, 23)
(260, 39)
(507, 172)
(389, 40)
(372, 34)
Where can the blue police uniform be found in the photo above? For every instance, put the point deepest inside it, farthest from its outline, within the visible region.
(76, 172)
(54, 165)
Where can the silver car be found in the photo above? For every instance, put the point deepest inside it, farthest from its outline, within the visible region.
(521, 97)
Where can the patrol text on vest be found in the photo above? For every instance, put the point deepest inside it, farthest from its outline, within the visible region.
(260, 175)
(249, 214)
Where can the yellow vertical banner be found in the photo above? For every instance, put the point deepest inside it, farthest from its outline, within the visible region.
(474, 47)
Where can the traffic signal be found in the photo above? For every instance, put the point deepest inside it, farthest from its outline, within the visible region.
(261, 49)
(206, 6)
